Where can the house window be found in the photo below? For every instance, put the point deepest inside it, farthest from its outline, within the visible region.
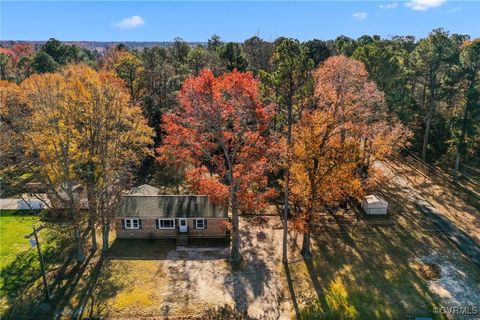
(165, 223)
(200, 224)
(132, 224)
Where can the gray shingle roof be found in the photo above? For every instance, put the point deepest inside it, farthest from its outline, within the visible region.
(174, 206)
(145, 190)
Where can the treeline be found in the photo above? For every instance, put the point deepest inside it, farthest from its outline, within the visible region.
(97, 47)
(430, 84)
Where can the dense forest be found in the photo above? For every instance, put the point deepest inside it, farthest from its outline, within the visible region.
(429, 83)
(169, 103)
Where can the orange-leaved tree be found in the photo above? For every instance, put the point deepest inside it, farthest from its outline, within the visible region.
(335, 144)
(343, 89)
(220, 135)
(322, 169)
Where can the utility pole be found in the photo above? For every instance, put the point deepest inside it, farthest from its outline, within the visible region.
(42, 262)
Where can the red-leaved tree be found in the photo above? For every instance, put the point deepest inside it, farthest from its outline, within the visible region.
(220, 136)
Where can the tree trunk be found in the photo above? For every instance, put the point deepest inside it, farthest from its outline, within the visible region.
(457, 163)
(93, 205)
(285, 217)
(235, 250)
(286, 208)
(461, 145)
(78, 236)
(306, 253)
(91, 225)
(426, 136)
(105, 235)
(431, 109)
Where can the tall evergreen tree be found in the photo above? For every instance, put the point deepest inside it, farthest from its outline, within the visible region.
(290, 87)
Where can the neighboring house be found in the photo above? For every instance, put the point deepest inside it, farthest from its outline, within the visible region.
(146, 214)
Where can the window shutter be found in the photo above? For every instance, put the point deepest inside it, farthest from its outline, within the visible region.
(157, 223)
(194, 223)
(205, 223)
(140, 223)
(123, 223)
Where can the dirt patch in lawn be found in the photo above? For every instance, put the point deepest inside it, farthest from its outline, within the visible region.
(203, 279)
(194, 281)
(428, 270)
(458, 283)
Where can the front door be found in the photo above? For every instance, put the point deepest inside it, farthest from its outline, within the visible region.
(182, 223)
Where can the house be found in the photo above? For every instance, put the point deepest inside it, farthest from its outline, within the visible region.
(374, 205)
(146, 214)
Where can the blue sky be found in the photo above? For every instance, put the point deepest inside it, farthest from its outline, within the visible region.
(233, 21)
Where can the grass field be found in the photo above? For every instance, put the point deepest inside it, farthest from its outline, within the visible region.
(13, 227)
(362, 276)
(19, 263)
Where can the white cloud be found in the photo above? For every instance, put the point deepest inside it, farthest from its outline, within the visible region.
(389, 6)
(130, 22)
(423, 5)
(359, 16)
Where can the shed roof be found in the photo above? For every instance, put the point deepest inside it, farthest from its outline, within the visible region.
(171, 206)
(375, 201)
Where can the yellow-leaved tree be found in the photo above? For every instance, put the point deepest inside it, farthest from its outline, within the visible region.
(51, 144)
(85, 136)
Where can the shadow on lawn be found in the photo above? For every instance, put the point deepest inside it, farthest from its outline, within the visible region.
(373, 281)
(365, 273)
(159, 249)
(252, 280)
(92, 299)
(291, 290)
(71, 284)
(21, 285)
(83, 291)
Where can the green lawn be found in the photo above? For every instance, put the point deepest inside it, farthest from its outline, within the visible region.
(13, 227)
(16, 255)
(19, 263)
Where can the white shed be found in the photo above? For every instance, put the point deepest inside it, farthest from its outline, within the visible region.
(374, 205)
